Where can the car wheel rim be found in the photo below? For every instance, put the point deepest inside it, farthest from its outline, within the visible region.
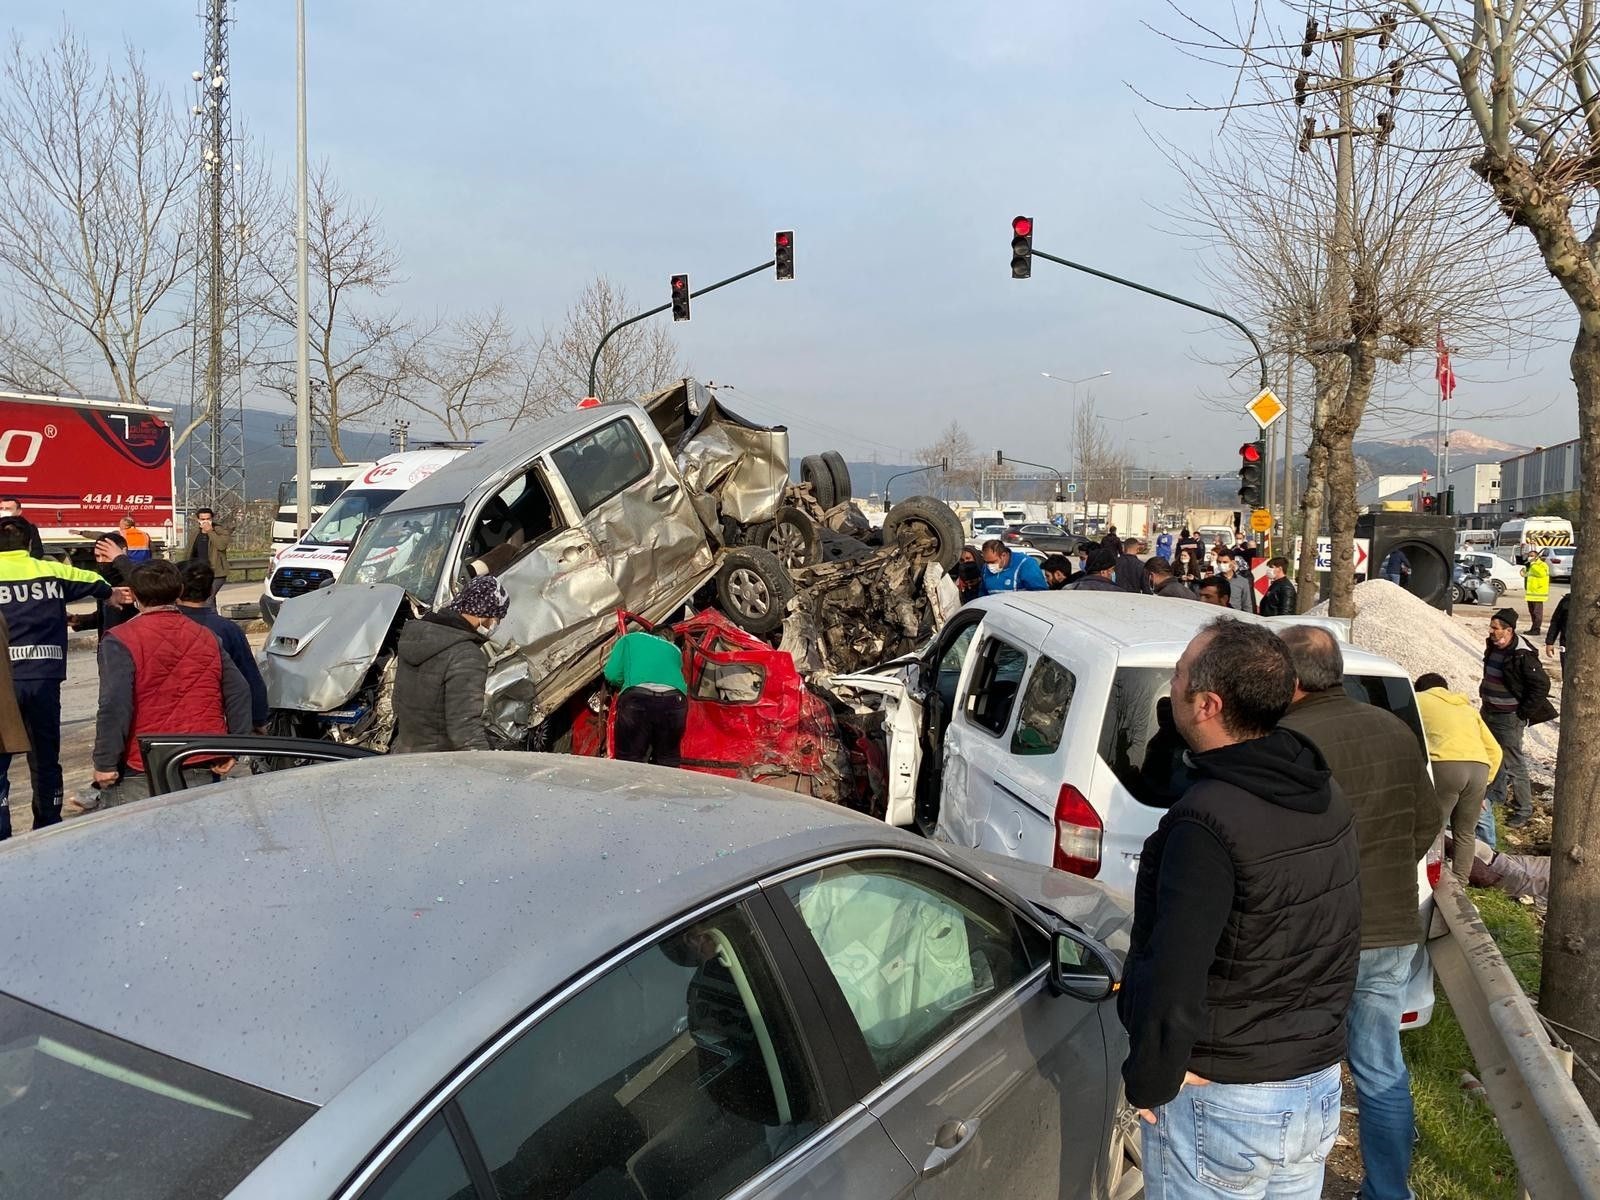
(788, 542)
(749, 592)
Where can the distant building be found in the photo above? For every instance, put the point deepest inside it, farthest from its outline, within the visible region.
(1537, 477)
(1382, 488)
(1477, 488)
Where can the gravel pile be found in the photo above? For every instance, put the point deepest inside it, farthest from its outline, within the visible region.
(1392, 622)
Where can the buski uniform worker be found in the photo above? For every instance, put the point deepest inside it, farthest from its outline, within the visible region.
(652, 699)
(443, 672)
(34, 594)
(1008, 571)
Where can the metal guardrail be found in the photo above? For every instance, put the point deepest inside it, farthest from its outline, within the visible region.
(248, 566)
(1527, 1077)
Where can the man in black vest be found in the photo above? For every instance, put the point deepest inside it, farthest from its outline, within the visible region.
(1246, 938)
(1379, 763)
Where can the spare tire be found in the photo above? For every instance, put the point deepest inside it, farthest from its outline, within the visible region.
(753, 589)
(792, 536)
(817, 473)
(928, 528)
(837, 467)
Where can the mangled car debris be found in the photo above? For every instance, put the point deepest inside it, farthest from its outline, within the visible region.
(668, 505)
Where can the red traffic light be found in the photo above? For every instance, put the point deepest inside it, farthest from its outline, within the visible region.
(1022, 226)
(1250, 452)
(783, 238)
(680, 283)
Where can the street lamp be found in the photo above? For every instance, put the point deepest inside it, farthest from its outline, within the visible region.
(1073, 384)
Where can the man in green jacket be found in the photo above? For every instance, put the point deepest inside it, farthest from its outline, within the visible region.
(210, 544)
(652, 700)
(1382, 768)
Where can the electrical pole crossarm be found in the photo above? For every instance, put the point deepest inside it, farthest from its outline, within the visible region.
(1261, 356)
(594, 359)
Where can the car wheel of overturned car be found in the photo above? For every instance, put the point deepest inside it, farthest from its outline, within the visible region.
(792, 537)
(840, 471)
(927, 528)
(754, 589)
(816, 472)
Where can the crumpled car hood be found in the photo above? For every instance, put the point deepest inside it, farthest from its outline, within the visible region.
(323, 643)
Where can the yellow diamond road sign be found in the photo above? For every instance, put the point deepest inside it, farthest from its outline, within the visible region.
(1265, 408)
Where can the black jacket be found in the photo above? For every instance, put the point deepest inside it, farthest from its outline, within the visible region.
(1176, 589)
(1279, 600)
(1526, 679)
(1382, 769)
(439, 686)
(1131, 575)
(1092, 583)
(1556, 632)
(1246, 926)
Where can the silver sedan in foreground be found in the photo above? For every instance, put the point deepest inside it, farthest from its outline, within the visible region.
(507, 976)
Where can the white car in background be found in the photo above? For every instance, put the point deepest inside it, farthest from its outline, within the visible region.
(1560, 560)
(1044, 707)
(1503, 576)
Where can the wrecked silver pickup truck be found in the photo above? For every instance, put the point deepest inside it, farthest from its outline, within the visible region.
(636, 506)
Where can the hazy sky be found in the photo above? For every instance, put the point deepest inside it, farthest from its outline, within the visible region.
(518, 150)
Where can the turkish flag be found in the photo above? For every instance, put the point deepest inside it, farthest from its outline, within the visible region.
(1441, 369)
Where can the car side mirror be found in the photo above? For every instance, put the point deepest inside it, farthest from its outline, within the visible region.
(1082, 968)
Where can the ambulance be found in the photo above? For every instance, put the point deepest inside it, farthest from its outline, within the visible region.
(316, 559)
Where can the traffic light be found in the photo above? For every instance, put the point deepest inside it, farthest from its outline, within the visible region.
(680, 297)
(1252, 471)
(1021, 247)
(1430, 502)
(783, 253)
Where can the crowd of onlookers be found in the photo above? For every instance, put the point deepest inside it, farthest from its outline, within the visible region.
(1182, 567)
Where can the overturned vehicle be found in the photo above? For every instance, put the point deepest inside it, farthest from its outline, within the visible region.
(657, 507)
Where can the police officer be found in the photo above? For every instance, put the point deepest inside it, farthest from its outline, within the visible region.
(34, 594)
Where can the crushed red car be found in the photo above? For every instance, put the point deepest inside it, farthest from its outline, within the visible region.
(752, 717)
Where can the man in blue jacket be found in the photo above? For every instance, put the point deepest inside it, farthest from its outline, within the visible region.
(34, 594)
(1008, 572)
(195, 602)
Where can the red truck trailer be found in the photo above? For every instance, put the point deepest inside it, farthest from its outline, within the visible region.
(79, 466)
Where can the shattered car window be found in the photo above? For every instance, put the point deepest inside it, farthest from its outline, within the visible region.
(730, 683)
(1044, 709)
(600, 464)
(405, 548)
(993, 691)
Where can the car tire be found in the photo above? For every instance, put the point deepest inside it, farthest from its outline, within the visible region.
(816, 472)
(928, 527)
(837, 467)
(792, 537)
(1499, 586)
(1125, 1155)
(753, 589)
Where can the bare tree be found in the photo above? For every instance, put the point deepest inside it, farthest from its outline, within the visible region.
(469, 372)
(1099, 461)
(640, 359)
(358, 353)
(954, 446)
(96, 242)
(1521, 80)
(1356, 274)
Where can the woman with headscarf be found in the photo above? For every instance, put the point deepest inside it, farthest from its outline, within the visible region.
(442, 672)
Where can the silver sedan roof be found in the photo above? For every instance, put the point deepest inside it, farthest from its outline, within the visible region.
(292, 929)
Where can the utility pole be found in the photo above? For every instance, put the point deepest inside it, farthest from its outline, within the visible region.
(1288, 437)
(1335, 324)
(215, 466)
(302, 318)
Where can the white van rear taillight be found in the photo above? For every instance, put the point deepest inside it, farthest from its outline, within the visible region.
(1079, 832)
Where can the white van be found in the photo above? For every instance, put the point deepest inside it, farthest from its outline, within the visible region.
(1516, 538)
(1044, 708)
(327, 483)
(316, 559)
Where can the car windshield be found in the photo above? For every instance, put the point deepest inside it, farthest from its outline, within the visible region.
(1140, 744)
(340, 524)
(86, 1114)
(323, 491)
(407, 548)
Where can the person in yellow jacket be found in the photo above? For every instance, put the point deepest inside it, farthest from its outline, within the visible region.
(1465, 758)
(1537, 575)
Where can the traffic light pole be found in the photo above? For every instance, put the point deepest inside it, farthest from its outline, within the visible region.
(1261, 356)
(901, 475)
(594, 360)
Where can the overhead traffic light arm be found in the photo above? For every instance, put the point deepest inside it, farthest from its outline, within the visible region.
(1261, 356)
(594, 359)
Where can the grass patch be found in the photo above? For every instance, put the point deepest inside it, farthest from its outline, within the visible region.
(1460, 1154)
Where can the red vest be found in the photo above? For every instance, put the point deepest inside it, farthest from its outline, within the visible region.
(177, 678)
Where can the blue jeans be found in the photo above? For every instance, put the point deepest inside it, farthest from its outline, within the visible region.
(40, 702)
(1486, 829)
(1268, 1140)
(1383, 1085)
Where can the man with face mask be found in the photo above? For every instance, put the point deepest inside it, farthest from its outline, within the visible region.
(1005, 570)
(443, 672)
